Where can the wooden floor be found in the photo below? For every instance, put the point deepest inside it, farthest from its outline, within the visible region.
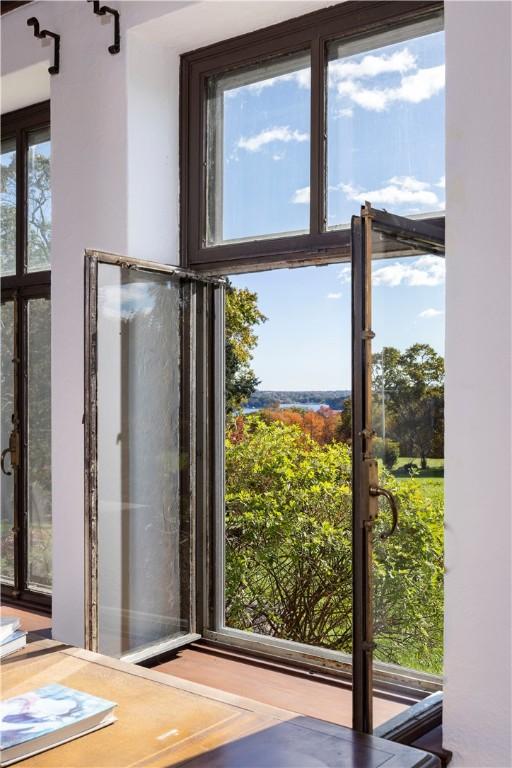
(30, 620)
(300, 692)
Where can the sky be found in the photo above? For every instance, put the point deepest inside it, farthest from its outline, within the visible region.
(385, 121)
(305, 344)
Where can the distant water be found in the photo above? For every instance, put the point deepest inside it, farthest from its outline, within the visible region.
(303, 406)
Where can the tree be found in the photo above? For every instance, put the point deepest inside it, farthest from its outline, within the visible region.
(387, 450)
(8, 218)
(411, 385)
(343, 431)
(242, 316)
(322, 425)
(38, 209)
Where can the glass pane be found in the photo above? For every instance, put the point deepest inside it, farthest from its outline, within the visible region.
(408, 417)
(39, 201)
(143, 542)
(8, 207)
(385, 123)
(258, 151)
(288, 557)
(7, 482)
(39, 477)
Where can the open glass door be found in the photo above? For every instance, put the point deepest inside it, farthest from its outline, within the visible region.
(397, 422)
(141, 337)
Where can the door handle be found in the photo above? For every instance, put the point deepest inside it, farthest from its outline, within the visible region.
(376, 490)
(13, 449)
(2, 461)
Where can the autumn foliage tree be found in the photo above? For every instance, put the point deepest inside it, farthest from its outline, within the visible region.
(322, 426)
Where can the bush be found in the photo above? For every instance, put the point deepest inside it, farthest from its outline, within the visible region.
(289, 550)
(387, 450)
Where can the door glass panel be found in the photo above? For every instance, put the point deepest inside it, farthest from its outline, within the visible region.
(7, 410)
(8, 207)
(143, 539)
(258, 146)
(39, 201)
(288, 505)
(408, 301)
(385, 123)
(39, 482)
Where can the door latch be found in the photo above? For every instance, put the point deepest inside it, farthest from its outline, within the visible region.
(14, 450)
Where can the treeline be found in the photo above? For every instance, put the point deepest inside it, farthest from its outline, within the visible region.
(272, 399)
(323, 426)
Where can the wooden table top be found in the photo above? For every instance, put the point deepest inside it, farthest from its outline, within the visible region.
(165, 721)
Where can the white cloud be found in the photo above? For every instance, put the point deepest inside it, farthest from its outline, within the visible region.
(441, 183)
(301, 195)
(428, 313)
(269, 135)
(399, 190)
(126, 300)
(413, 89)
(302, 77)
(371, 66)
(426, 271)
(344, 112)
(334, 295)
(410, 183)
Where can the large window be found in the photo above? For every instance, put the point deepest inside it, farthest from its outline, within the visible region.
(25, 247)
(287, 132)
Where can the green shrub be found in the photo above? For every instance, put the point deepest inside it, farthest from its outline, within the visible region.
(387, 450)
(289, 551)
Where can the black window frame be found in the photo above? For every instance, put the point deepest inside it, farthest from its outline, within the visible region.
(312, 32)
(20, 288)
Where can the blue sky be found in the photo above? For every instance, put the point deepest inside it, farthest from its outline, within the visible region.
(306, 341)
(385, 119)
(385, 129)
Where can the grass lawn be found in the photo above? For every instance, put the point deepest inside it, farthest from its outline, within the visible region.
(431, 478)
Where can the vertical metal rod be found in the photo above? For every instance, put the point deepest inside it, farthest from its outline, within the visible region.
(219, 423)
(16, 470)
(22, 427)
(90, 454)
(362, 640)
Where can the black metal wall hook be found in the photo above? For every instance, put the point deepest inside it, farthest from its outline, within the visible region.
(101, 10)
(41, 33)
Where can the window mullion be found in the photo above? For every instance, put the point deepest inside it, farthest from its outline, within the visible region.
(20, 198)
(317, 158)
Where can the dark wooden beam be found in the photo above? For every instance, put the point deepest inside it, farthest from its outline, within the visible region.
(10, 5)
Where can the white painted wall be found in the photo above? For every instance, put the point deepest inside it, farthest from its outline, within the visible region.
(103, 110)
(115, 188)
(477, 707)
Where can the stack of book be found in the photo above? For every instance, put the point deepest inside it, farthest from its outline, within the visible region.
(38, 720)
(11, 637)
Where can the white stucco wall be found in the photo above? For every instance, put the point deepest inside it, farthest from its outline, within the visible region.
(478, 649)
(114, 186)
(107, 109)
